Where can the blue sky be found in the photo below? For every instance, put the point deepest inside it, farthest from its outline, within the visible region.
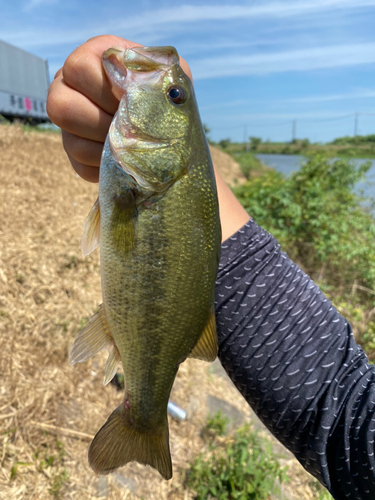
(257, 65)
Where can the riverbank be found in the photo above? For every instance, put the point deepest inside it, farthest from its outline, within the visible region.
(303, 147)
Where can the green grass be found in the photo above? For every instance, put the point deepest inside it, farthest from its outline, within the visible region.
(349, 147)
(240, 467)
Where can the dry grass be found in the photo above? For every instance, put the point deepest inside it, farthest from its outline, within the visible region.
(46, 292)
(229, 169)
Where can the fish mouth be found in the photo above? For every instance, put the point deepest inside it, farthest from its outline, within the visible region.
(141, 59)
(124, 65)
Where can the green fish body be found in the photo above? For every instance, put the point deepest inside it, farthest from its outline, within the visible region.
(157, 223)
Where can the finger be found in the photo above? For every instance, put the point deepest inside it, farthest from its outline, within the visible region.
(87, 172)
(75, 113)
(185, 67)
(82, 150)
(83, 70)
(58, 73)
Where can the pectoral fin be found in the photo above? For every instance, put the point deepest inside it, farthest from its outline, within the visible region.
(206, 347)
(94, 337)
(91, 232)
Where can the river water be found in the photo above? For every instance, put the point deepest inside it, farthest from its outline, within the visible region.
(289, 163)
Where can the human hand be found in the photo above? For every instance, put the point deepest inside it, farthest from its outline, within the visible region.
(81, 103)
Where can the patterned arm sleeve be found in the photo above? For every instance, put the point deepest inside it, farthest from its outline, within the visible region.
(294, 359)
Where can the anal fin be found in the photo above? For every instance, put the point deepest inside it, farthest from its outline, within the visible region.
(94, 337)
(206, 347)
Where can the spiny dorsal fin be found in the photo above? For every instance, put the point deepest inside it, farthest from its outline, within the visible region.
(94, 337)
(91, 231)
(206, 347)
(119, 442)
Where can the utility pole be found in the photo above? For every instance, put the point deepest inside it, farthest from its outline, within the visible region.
(356, 124)
(246, 139)
(294, 130)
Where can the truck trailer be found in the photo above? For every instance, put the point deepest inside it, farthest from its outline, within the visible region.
(24, 83)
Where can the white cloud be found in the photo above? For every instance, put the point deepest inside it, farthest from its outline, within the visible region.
(184, 17)
(32, 4)
(359, 94)
(193, 13)
(276, 62)
(276, 102)
(312, 116)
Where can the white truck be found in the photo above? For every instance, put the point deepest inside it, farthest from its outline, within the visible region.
(24, 83)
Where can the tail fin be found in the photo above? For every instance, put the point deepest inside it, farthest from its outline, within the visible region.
(117, 443)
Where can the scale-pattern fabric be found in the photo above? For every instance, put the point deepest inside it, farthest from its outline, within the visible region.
(294, 359)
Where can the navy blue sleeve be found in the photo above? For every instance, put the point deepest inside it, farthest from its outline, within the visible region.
(294, 359)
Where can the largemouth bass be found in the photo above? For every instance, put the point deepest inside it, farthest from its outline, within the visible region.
(157, 222)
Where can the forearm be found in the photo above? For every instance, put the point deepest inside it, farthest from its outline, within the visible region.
(295, 361)
(232, 214)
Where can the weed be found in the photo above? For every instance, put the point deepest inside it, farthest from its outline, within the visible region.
(20, 278)
(83, 322)
(241, 467)
(64, 324)
(319, 490)
(217, 424)
(16, 466)
(58, 480)
(55, 462)
(72, 262)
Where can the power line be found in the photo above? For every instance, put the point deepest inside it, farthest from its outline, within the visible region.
(356, 125)
(253, 124)
(294, 130)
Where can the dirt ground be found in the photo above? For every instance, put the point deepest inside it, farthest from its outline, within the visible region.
(49, 410)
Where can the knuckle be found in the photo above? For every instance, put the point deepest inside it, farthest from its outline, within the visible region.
(58, 108)
(73, 67)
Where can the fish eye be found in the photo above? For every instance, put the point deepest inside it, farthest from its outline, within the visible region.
(177, 94)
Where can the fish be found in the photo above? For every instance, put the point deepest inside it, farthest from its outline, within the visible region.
(156, 221)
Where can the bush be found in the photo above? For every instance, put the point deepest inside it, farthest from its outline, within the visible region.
(224, 143)
(254, 143)
(357, 139)
(248, 163)
(317, 217)
(242, 468)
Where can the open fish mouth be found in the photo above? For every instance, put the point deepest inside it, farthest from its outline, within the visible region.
(140, 59)
(123, 66)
